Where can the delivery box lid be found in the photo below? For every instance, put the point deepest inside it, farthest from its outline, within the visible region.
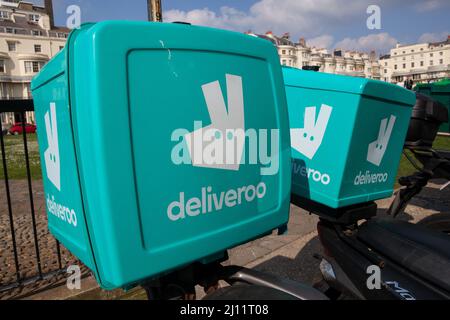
(332, 82)
(59, 63)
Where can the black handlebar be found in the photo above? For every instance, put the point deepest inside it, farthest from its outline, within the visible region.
(435, 165)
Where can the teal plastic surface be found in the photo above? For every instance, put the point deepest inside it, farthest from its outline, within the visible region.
(150, 192)
(347, 135)
(439, 91)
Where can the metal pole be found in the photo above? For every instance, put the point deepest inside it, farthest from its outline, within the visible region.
(154, 10)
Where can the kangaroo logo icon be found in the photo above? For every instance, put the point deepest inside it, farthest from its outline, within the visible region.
(224, 124)
(51, 155)
(308, 140)
(377, 149)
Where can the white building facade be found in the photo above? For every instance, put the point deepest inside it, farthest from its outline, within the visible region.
(299, 55)
(27, 42)
(423, 62)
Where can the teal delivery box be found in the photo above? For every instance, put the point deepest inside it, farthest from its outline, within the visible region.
(161, 145)
(347, 135)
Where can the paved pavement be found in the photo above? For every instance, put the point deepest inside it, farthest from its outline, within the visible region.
(24, 237)
(289, 256)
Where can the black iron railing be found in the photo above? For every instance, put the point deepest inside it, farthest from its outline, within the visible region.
(19, 216)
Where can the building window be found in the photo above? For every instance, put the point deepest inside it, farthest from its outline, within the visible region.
(404, 66)
(283, 62)
(441, 61)
(385, 70)
(412, 64)
(441, 53)
(4, 15)
(421, 63)
(34, 17)
(431, 54)
(61, 47)
(2, 66)
(412, 50)
(12, 47)
(395, 67)
(37, 33)
(37, 48)
(431, 62)
(283, 51)
(33, 66)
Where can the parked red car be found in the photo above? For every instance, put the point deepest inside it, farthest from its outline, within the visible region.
(17, 128)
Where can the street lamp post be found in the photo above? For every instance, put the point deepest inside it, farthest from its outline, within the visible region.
(154, 10)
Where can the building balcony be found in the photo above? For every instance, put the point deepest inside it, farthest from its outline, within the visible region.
(17, 79)
(439, 68)
(33, 56)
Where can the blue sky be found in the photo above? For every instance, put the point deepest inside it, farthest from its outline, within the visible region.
(324, 23)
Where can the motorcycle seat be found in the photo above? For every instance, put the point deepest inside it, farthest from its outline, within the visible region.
(424, 252)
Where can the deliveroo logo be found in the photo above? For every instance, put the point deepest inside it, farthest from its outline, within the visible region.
(51, 155)
(227, 126)
(377, 149)
(308, 140)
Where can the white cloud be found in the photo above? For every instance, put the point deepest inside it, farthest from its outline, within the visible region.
(312, 19)
(434, 37)
(303, 18)
(324, 41)
(380, 42)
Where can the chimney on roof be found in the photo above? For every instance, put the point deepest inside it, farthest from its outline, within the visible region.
(302, 42)
(49, 9)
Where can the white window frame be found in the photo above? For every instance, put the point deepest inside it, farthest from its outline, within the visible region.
(37, 33)
(32, 67)
(4, 14)
(36, 46)
(34, 17)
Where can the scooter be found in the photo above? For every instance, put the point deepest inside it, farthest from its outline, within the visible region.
(385, 258)
(372, 257)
